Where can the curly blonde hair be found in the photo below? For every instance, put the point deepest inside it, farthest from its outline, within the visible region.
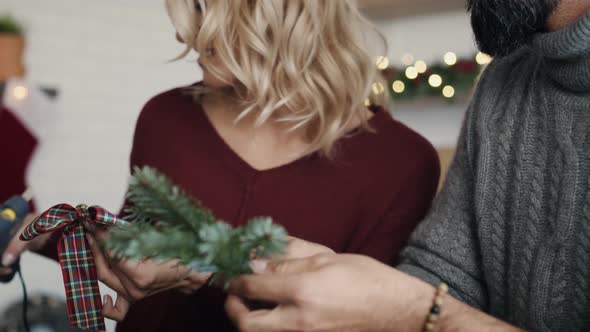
(306, 56)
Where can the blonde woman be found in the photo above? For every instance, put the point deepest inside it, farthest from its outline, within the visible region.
(277, 127)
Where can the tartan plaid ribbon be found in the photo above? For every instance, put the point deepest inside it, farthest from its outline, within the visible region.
(75, 258)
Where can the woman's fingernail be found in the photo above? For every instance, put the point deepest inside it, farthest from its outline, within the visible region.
(258, 265)
(8, 259)
(89, 239)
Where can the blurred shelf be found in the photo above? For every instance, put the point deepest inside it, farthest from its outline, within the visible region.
(384, 9)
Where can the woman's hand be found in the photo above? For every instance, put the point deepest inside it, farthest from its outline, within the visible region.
(298, 248)
(16, 246)
(134, 280)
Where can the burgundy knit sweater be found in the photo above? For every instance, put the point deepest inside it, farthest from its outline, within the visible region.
(367, 200)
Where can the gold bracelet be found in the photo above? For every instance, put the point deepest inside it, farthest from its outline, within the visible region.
(435, 310)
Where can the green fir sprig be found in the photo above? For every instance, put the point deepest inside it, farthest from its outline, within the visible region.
(165, 223)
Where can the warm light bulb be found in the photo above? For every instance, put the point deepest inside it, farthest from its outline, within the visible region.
(448, 91)
(450, 58)
(482, 58)
(411, 72)
(398, 86)
(408, 59)
(382, 62)
(378, 88)
(435, 80)
(20, 92)
(421, 66)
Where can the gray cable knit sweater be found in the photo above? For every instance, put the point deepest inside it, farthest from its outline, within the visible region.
(510, 231)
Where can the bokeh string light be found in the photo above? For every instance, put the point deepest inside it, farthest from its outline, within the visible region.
(450, 58)
(452, 78)
(382, 62)
(435, 80)
(20, 92)
(448, 91)
(412, 72)
(398, 86)
(421, 66)
(482, 58)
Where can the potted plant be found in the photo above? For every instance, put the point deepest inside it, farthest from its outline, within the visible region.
(12, 44)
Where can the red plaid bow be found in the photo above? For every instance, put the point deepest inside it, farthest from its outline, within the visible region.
(75, 258)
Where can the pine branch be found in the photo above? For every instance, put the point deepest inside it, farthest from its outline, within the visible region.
(154, 198)
(143, 240)
(168, 224)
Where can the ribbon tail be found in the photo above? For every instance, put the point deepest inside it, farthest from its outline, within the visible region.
(80, 280)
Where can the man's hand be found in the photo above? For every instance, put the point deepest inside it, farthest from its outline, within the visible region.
(329, 292)
(134, 280)
(345, 293)
(16, 246)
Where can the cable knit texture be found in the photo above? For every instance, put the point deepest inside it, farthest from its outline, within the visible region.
(510, 230)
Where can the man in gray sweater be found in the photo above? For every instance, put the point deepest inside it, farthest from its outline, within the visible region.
(509, 233)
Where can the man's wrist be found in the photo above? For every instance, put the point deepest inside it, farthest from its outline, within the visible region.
(418, 305)
(458, 316)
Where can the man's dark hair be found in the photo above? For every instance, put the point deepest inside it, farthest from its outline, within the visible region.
(502, 26)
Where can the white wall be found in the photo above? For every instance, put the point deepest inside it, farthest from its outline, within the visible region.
(429, 37)
(108, 58)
